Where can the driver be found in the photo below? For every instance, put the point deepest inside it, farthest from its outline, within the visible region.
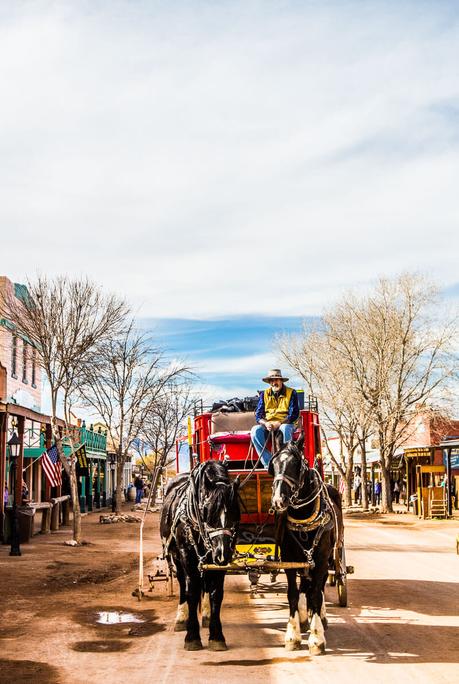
(276, 414)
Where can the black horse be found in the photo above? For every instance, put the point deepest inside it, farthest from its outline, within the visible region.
(309, 524)
(199, 524)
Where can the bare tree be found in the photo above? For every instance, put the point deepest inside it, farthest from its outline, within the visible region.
(123, 383)
(66, 319)
(399, 350)
(164, 422)
(326, 377)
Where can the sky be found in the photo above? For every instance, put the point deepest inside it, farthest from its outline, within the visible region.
(235, 165)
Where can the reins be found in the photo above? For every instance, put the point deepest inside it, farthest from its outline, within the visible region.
(189, 513)
(247, 478)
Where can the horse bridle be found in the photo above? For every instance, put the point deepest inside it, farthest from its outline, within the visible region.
(206, 532)
(295, 487)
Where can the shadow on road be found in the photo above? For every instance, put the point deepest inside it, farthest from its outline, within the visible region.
(420, 596)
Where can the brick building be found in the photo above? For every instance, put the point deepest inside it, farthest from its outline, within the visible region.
(20, 374)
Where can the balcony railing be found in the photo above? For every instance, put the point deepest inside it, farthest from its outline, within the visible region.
(34, 441)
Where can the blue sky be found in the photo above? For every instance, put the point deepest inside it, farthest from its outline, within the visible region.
(229, 356)
(236, 161)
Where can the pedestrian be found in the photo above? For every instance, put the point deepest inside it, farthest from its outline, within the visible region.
(396, 492)
(138, 484)
(357, 488)
(24, 492)
(276, 414)
(378, 490)
(6, 495)
(403, 492)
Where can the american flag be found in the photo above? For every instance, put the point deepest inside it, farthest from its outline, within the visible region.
(51, 465)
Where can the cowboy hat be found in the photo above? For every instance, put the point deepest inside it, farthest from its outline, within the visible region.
(274, 374)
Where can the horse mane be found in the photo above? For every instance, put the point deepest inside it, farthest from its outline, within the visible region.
(213, 483)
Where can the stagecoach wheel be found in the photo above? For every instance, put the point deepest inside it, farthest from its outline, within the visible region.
(341, 578)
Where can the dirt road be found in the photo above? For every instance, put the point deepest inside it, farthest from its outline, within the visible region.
(402, 620)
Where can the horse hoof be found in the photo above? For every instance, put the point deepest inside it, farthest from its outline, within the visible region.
(180, 627)
(195, 645)
(292, 645)
(317, 650)
(205, 621)
(217, 645)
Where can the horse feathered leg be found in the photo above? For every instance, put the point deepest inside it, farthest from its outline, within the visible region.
(293, 632)
(205, 609)
(323, 612)
(303, 605)
(193, 596)
(181, 617)
(316, 641)
(216, 639)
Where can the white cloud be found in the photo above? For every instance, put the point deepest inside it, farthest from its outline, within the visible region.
(213, 159)
(255, 363)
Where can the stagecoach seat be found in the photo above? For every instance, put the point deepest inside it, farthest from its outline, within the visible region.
(233, 428)
(232, 422)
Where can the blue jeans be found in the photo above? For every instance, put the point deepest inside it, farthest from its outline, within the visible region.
(259, 435)
(138, 495)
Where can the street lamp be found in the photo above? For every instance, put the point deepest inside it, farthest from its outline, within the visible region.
(14, 445)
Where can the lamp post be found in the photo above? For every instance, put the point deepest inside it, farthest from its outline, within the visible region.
(112, 468)
(14, 445)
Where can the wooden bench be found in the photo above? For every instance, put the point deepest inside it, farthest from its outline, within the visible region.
(45, 508)
(57, 503)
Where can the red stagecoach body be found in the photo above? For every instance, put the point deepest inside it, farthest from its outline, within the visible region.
(226, 436)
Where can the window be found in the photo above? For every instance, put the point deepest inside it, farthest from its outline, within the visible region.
(34, 367)
(14, 356)
(24, 361)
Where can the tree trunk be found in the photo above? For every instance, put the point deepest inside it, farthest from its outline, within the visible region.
(75, 503)
(119, 483)
(70, 469)
(363, 475)
(348, 484)
(386, 495)
(154, 484)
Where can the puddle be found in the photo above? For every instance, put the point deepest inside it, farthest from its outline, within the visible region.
(26, 671)
(107, 646)
(119, 622)
(116, 617)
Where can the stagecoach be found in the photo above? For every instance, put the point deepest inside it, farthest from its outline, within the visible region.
(225, 436)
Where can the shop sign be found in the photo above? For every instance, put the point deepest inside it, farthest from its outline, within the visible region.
(454, 458)
(418, 452)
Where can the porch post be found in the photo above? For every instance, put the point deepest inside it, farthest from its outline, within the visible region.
(3, 440)
(98, 485)
(447, 459)
(20, 462)
(89, 499)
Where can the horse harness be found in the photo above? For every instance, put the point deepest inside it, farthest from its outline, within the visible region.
(319, 521)
(188, 513)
